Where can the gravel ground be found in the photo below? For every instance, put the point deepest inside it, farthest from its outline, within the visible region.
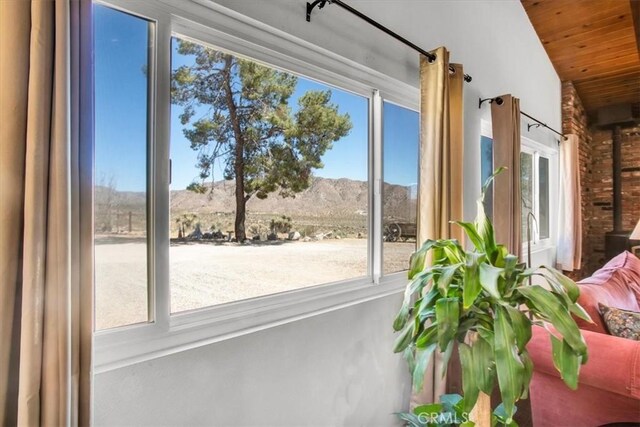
(204, 274)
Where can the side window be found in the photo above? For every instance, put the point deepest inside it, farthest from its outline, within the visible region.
(122, 120)
(534, 173)
(534, 186)
(486, 170)
(401, 134)
(270, 180)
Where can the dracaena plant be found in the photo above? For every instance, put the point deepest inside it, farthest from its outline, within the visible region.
(481, 300)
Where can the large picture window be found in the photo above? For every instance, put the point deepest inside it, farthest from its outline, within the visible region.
(269, 188)
(243, 178)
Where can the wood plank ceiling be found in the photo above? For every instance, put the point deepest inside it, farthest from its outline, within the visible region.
(593, 43)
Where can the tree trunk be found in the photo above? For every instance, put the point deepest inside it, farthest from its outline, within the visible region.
(238, 171)
(481, 412)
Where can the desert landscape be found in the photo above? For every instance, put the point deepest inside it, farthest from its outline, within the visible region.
(293, 242)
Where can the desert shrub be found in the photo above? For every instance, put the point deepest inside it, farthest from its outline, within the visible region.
(308, 231)
(281, 225)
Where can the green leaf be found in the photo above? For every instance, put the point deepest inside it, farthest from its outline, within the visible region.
(416, 262)
(422, 360)
(445, 278)
(485, 229)
(428, 336)
(489, 276)
(415, 286)
(509, 367)
(404, 339)
(502, 416)
(470, 230)
(447, 318)
(408, 355)
(566, 361)
(577, 310)
(483, 365)
(569, 285)
(552, 308)
(446, 356)
(486, 334)
(521, 326)
(469, 385)
(528, 373)
(471, 286)
(556, 351)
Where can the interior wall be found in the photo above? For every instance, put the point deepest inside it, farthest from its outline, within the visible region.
(338, 368)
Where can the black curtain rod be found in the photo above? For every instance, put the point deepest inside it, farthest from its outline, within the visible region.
(322, 3)
(538, 123)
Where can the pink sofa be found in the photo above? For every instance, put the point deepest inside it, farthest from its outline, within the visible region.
(609, 385)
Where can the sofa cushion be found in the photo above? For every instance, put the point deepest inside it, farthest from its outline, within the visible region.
(617, 284)
(621, 323)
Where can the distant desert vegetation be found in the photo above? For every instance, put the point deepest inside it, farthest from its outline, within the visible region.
(336, 206)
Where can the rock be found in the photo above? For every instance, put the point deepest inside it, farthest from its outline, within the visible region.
(294, 235)
(338, 237)
(272, 236)
(306, 239)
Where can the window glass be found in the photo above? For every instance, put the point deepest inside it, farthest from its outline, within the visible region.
(121, 141)
(269, 188)
(543, 201)
(486, 170)
(401, 134)
(526, 189)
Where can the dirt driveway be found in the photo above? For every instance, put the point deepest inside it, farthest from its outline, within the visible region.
(204, 274)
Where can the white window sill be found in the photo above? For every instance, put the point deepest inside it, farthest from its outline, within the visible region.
(118, 348)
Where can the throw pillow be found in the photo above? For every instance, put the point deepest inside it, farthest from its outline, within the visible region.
(621, 323)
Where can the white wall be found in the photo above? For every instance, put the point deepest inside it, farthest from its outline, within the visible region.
(337, 368)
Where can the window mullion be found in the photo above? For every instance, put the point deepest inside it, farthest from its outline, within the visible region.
(159, 287)
(375, 180)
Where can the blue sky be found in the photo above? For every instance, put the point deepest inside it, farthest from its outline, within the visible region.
(121, 45)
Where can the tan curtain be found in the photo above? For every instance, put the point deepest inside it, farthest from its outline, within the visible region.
(441, 170)
(570, 209)
(45, 313)
(505, 120)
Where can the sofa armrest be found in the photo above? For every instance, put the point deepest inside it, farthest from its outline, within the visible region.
(613, 365)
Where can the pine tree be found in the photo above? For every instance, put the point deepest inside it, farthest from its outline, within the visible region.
(250, 127)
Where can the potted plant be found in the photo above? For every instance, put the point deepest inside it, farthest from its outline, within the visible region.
(481, 301)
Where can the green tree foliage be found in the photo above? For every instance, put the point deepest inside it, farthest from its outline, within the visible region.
(249, 126)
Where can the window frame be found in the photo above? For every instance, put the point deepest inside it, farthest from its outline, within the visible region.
(537, 149)
(219, 27)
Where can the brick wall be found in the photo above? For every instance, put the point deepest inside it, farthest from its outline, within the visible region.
(596, 175)
(601, 219)
(574, 121)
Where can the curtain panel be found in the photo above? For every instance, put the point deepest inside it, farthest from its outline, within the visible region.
(46, 280)
(441, 171)
(570, 210)
(505, 122)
